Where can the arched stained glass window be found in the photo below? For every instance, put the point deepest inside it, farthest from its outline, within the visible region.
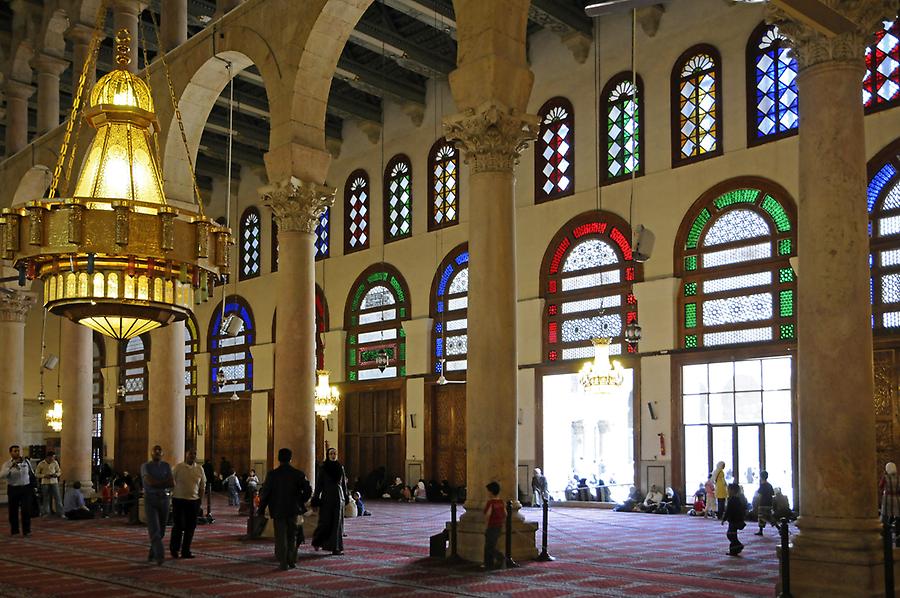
(883, 199)
(554, 153)
(449, 310)
(98, 363)
(443, 184)
(398, 199)
(376, 307)
(191, 348)
(274, 244)
(356, 212)
(587, 275)
(772, 100)
(881, 83)
(231, 354)
(696, 105)
(732, 254)
(323, 230)
(133, 358)
(623, 108)
(251, 243)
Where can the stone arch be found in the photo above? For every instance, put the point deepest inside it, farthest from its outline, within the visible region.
(33, 185)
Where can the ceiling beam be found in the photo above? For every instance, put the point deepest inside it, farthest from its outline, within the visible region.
(377, 83)
(817, 15)
(559, 17)
(370, 34)
(342, 105)
(432, 13)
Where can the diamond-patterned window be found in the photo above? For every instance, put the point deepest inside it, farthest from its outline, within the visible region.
(881, 83)
(884, 213)
(274, 244)
(586, 282)
(356, 212)
(449, 311)
(191, 348)
(398, 199)
(623, 104)
(251, 244)
(443, 184)
(133, 358)
(696, 106)
(554, 153)
(737, 284)
(323, 230)
(231, 354)
(376, 308)
(772, 100)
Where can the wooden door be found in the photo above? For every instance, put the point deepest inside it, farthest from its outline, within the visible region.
(229, 433)
(132, 435)
(445, 438)
(190, 426)
(372, 434)
(887, 413)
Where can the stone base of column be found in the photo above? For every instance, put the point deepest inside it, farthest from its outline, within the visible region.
(470, 538)
(837, 557)
(87, 488)
(310, 521)
(3, 498)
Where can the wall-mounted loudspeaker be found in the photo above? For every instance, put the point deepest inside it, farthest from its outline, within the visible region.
(643, 245)
(51, 362)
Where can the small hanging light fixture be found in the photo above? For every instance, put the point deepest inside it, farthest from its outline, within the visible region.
(327, 396)
(599, 376)
(54, 416)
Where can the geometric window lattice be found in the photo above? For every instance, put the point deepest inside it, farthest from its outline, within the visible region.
(191, 348)
(231, 354)
(376, 308)
(737, 284)
(696, 106)
(274, 244)
(450, 303)
(623, 112)
(443, 184)
(356, 212)
(323, 230)
(883, 198)
(554, 155)
(398, 199)
(881, 83)
(251, 250)
(586, 282)
(772, 74)
(134, 355)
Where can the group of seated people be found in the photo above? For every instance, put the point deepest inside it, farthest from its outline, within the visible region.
(376, 485)
(669, 503)
(580, 488)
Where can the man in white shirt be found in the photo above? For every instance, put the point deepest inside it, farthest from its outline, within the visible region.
(190, 480)
(18, 490)
(47, 472)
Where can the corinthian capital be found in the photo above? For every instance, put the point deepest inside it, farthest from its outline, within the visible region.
(844, 37)
(297, 204)
(14, 305)
(493, 136)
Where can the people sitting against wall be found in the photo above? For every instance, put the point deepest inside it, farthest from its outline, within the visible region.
(374, 484)
(670, 504)
(395, 490)
(406, 494)
(572, 488)
(602, 491)
(432, 490)
(445, 491)
(699, 507)
(360, 505)
(233, 485)
(419, 494)
(634, 499)
(584, 491)
(652, 500)
(781, 507)
(74, 505)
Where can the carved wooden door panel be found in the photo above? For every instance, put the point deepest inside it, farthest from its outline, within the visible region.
(190, 430)
(229, 426)
(132, 434)
(448, 434)
(887, 425)
(372, 435)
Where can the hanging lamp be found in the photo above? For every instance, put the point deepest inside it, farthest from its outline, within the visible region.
(327, 396)
(600, 376)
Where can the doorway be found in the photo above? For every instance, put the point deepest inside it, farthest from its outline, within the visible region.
(372, 433)
(132, 433)
(445, 435)
(229, 433)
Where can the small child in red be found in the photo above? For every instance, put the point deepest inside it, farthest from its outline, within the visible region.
(106, 494)
(494, 517)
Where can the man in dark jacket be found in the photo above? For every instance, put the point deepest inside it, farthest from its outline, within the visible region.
(285, 492)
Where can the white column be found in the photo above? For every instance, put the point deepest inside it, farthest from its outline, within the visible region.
(17, 94)
(166, 405)
(48, 68)
(174, 25)
(13, 308)
(76, 366)
(80, 36)
(125, 16)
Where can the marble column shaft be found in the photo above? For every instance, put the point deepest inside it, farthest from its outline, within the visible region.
(174, 23)
(166, 404)
(76, 371)
(17, 94)
(48, 68)
(13, 309)
(80, 36)
(125, 16)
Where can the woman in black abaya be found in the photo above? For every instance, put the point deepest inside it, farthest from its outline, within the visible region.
(330, 497)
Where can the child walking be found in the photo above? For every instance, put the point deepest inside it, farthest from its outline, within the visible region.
(233, 484)
(494, 517)
(735, 514)
(710, 488)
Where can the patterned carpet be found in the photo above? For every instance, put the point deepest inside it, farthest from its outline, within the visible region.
(598, 553)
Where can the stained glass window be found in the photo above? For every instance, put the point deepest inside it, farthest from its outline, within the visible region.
(274, 244)
(376, 308)
(231, 354)
(554, 153)
(133, 358)
(251, 244)
(881, 83)
(696, 106)
(623, 110)
(449, 310)
(772, 76)
(323, 230)
(356, 212)
(883, 200)
(587, 277)
(737, 283)
(98, 363)
(398, 199)
(191, 348)
(443, 184)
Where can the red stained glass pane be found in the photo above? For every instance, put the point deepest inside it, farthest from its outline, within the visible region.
(553, 355)
(553, 309)
(552, 332)
(551, 286)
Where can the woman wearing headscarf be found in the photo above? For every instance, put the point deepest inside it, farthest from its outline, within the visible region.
(718, 476)
(890, 493)
(330, 497)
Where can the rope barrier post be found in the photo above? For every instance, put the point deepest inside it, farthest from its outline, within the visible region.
(509, 563)
(453, 548)
(888, 542)
(896, 526)
(783, 530)
(545, 556)
(209, 517)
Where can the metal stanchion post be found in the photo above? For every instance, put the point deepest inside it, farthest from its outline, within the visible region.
(888, 542)
(545, 556)
(209, 517)
(783, 530)
(453, 549)
(510, 563)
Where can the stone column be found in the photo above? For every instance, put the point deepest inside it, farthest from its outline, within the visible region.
(125, 16)
(13, 308)
(166, 404)
(174, 25)
(491, 138)
(223, 6)
(76, 366)
(838, 549)
(17, 94)
(80, 36)
(297, 206)
(48, 68)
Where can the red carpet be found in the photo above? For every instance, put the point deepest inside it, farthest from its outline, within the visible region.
(598, 553)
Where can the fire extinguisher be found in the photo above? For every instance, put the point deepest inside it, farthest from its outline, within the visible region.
(662, 444)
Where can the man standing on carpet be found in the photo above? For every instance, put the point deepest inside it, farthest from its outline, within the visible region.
(19, 490)
(158, 481)
(190, 480)
(284, 492)
(47, 471)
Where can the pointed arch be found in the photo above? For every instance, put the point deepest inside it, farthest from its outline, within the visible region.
(397, 198)
(357, 209)
(133, 358)
(883, 202)
(191, 348)
(449, 309)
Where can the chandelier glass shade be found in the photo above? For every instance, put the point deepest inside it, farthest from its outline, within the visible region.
(599, 376)
(327, 396)
(54, 416)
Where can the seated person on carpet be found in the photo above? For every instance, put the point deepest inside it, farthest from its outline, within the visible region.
(432, 490)
(73, 504)
(781, 507)
(699, 507)
(420, 494)
(584, 491)
(406, 494)
(654, 497)
(395, 490)
(572, 488)
(360, 505)
(602, 491)
(634, 499)
(670, 504)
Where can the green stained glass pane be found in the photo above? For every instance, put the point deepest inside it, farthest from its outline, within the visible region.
(697, 228)
(401, 296)
(360, 290)
(736, 196)
(690, 341)
(786, 300)
(351, 357)
(690, 262)
(690, 289)
(402, 312)
(352, 339)
(377, 277)
(402, 371)
(352, 376)
(402, 333)
(784, 247)
(690, 315)
(354, 320)
(786, 275)
(782, 222)
(402, 351)
(371, 354)
(786, 331)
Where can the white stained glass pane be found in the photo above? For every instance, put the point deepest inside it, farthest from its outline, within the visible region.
(694, 379)
(736, 225)
(779, 458)
(777, 406)
(756, 279)
(457, 345)
(748, 458)
(776, 373)
(594, 304)
(891, 319)
(721, 408)
(750, 335)
(587, 281)
(723, 450)
(460, 282)
(695, 409)
(378, 335)
(747, 308)
(457, 324)
(590, 253)
(889, 226)
(133, 398)
(890, 288)
(458, 303)
(455, 365)
(721, 377)
(375, 373)
(759, 251)
(696, 457)
(134, 371)
(377, 296)
(232, 341)
(748, 375)
(890, 258)
(588, 352)
(748, 407)
(384, 315)
(583, 329)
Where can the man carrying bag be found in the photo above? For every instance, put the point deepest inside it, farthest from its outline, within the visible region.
(20, 490)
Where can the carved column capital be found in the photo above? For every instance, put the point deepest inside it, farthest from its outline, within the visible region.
(14, 305)
(814, 45)
(493, 136)
(297, 204)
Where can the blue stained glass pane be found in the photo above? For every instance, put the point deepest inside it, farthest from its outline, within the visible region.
(440, 307)
(445, 277)
(878, 182)
(439, 328)
(437, 367)
(777, 105)
(322, 234)
(439, 347)
(462, 258)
